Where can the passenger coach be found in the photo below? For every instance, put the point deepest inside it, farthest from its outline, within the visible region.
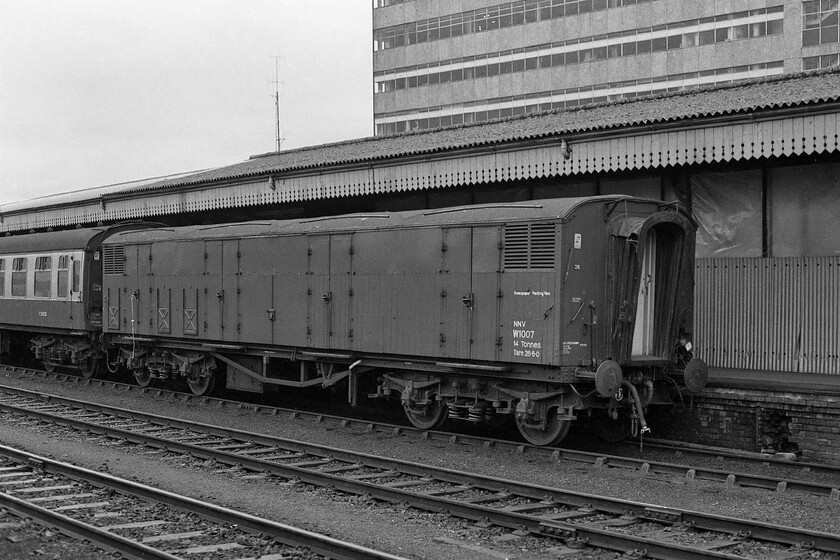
(51, 296)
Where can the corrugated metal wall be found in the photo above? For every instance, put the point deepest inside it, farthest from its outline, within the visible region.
(774, 314)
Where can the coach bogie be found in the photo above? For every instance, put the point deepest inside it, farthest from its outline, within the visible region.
(197, 369)
(201, 381)
(74, 353)
(89, 366)
(426, 413)
(542, 423)
(542, 415)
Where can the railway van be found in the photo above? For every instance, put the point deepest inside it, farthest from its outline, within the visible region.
(538, 312)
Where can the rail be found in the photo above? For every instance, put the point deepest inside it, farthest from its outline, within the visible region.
(571, 517)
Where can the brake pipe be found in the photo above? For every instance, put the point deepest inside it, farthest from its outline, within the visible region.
(638, 402)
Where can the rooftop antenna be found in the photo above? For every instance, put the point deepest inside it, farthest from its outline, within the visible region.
(280, 137)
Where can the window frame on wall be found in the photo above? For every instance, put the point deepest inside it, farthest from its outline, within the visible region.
(801, 200)
(821, 61)
(589, 49)
(573, 97)
(508, 14)
(820, 22)
(789, 197)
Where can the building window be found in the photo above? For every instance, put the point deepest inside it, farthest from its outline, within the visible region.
(389, 123)
(19, 277)
(819, 22)
(685, 34)
(509, 14)
(63, 277)
(43, 274)
(385, 3)
(738, 217)
(801, 201)
(823, 61)
(728, 209)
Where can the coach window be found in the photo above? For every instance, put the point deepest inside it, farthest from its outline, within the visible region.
(77, 276)
(2, 278)
(63, 277)
(19, 277)
(43, 273)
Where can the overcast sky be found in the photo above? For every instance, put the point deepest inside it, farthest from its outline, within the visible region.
(95, 92)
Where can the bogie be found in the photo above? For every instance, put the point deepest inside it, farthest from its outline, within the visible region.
(549, 430)
(197, 369)
(74, 354)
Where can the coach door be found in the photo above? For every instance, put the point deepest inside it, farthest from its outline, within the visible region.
(213, 316)
(486, 273)
(290, 288)
(662, 247)
(469, 290)
(319, 296)
(232, 293)
(456, 297)
(257, 304)
(643, 333)
(143, 302)
(94, 273)
(341, 290)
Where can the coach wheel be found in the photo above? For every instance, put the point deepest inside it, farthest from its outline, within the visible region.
(89, 367)
(554, 432)
(201, 385)
(49, 366)
(143, 377)
(431, 418)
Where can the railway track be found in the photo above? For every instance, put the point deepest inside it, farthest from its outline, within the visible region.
(787, 476)
(138, 521)
(573, 519)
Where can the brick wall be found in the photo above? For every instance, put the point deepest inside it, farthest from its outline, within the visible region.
(753, 420)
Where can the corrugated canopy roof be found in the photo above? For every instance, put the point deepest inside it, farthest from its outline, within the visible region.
(94, 192)
(786, 91)
(790, 90)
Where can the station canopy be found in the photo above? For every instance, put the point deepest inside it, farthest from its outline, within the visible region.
(794, 114)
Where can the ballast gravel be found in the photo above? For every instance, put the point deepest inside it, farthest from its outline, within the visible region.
(388, 527)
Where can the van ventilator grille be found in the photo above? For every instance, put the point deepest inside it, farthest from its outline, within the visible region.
(529, 246)
(113, 260)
